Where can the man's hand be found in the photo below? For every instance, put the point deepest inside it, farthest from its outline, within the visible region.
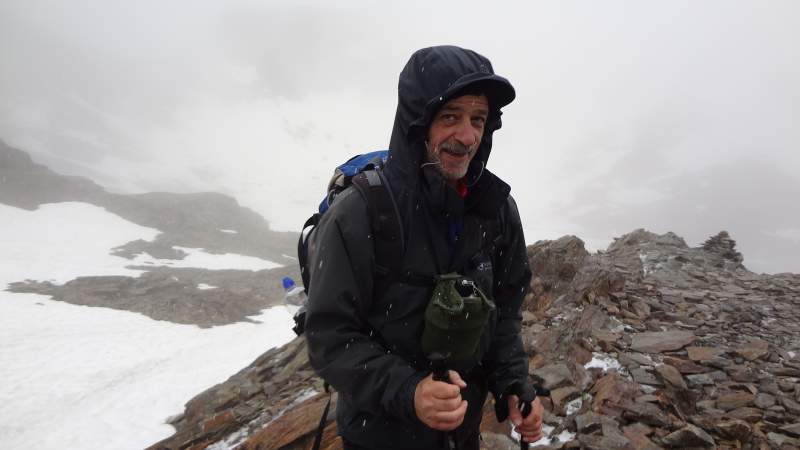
(439, 404)
(529, 427)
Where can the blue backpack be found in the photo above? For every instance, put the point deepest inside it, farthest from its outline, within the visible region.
(364, 174)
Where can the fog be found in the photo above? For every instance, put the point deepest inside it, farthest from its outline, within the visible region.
(672, 116)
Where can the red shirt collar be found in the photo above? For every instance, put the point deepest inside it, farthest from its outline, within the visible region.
(462, 188)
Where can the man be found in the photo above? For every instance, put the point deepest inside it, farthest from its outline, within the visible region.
(457, 216)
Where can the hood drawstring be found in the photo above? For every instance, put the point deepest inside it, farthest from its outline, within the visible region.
(475, 181)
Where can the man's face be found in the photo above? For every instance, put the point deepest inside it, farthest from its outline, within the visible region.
(455, 135)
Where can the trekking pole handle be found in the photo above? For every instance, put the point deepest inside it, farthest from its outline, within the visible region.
(439, 369)
(438, 366)
(525, 405)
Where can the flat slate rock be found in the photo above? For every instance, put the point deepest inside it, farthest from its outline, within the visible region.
(662, 341)
(753, 350)
(792, 430)
(553, 376)
(703, 353)
(733, 400)
(689, 436)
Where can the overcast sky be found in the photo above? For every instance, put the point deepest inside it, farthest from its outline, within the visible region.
(671, 116)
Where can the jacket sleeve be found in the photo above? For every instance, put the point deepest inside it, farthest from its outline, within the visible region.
(506, 359)
(342, 347)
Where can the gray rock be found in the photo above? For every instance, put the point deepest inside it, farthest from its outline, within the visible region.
(699, 380)
(553, 376)
(689, 436)
(661, 341)
(791, 406)
(782, 441)
(734, 429)
(748, 414)
(733, 400)
(764, 401)
(643, 376)
(792, 430)
(600, 442)
(753, 349)
(703, 353)
(561, 396)
(671, 376)
(646, 413)
(588, 422)
(639, 359)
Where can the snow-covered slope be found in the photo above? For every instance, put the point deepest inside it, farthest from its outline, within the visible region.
(85, 378)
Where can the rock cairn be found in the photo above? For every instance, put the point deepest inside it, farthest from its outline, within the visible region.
(723, 245)
(650, 344)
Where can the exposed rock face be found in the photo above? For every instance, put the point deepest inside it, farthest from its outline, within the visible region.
(704, 355)
(554, 264)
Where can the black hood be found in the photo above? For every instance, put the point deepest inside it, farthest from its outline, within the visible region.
(431, 77)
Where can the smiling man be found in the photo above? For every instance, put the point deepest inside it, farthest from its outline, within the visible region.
(454, 135)
(372, 323)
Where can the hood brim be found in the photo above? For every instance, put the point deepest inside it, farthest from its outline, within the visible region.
(497, 89)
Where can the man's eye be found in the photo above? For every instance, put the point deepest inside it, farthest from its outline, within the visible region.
(479, 120)
(448, 117)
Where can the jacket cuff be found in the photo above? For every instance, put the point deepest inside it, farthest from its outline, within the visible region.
(403, 405)
(501, 397)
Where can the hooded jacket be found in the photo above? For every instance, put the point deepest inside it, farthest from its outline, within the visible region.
(365, 343)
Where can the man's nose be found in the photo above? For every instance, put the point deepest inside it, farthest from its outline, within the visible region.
(466, 134)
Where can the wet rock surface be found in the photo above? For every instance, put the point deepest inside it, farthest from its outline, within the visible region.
(650, 344)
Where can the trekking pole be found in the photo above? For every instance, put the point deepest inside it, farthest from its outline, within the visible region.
(440, 374)
(526, 397)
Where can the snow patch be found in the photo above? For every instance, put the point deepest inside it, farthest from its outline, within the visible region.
(203, 286)
(232, 441)
(83, 377)
(61, 241)
(603, 361)
(86, 377)
(564, 437)
(229, 231)
(574, 406)
(619, 326)
(301, 397)
(198, 258)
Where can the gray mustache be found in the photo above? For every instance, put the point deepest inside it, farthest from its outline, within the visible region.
(456, 147)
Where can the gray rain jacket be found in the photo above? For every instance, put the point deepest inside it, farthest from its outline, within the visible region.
(367, 347)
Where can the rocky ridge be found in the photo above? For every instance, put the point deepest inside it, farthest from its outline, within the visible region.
(212, 221)
(650, 344)
(180, 295)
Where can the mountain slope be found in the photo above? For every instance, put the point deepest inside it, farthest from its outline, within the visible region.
(213, 222)
(650, 344)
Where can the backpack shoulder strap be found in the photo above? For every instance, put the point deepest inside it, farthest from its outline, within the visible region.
(302, 245)
(386, 224)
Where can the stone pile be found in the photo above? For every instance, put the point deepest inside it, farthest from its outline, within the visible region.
(723, 245)
(650, 344)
